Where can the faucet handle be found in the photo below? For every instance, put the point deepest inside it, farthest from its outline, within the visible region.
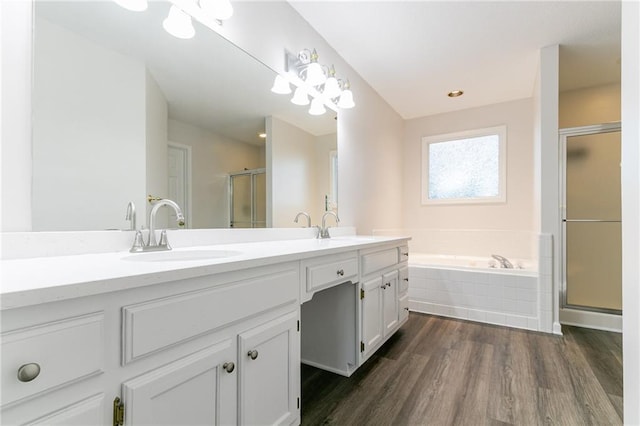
(138, 243)
(164, 241)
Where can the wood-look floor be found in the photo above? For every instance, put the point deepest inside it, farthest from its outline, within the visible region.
(439, 371)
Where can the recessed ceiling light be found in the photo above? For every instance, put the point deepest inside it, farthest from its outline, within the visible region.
(455, 93)
(262, 135)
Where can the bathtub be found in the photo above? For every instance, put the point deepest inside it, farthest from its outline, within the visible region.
(469, 288)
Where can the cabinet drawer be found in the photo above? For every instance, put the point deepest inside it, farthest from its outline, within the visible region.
(403, 253)
(65, 351)
(158, 324)
(404, 280)
(330, 270)
(403, 303)
(372, 262)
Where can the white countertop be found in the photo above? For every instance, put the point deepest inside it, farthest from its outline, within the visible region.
(38, 280)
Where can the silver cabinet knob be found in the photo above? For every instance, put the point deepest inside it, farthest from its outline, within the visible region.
(252, 354)
(229, 367)
(405, 254)
(406, 279)
(28, 372)
(340, 272)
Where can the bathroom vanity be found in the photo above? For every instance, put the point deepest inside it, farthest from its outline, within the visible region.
(204, 335)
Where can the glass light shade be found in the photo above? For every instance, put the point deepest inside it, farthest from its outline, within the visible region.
(300, 97)
(317, 107)
(331, 88)
(346, 100)
(134, 5)
(218, 9)
(178, 24)
(315, 74)
(281, 86)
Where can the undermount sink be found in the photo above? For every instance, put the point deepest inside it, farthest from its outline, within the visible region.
(180, 255)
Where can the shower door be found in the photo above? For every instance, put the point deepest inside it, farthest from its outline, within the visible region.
(248, 201)
(592, 241)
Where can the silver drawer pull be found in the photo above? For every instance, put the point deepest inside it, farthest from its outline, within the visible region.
(252, 354)
(340, 272)
(229, 367)
(28, 372)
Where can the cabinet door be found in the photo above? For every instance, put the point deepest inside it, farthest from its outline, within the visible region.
(194, 390)
(371, 314)
(269, 368)
(389, 302)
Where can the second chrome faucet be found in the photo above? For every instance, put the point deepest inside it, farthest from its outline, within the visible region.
(152, 244)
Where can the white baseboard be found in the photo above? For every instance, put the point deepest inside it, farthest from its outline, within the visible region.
(588, 319)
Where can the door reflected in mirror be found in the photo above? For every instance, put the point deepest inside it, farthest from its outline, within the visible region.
(113, 92)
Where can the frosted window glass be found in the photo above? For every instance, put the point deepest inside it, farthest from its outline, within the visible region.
(465, 168)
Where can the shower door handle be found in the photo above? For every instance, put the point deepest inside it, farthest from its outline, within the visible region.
(591, 220)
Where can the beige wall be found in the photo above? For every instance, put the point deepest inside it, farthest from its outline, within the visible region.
(592, 105)
(293, 174)
(517, 212)
(213, 158)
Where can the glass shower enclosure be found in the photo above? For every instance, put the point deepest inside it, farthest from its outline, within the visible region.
(248, 199)
(591, 224)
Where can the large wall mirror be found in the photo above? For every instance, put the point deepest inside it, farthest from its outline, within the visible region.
(122, 109)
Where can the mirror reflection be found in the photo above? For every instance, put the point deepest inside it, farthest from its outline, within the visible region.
(123, 110)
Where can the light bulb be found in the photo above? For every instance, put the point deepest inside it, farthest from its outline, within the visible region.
(281, 86)
(178, 24)
(300, 97)
(134, 5)
(315, 74)
(317, 107)
(218, 9)
(346, 99)
(331, 88)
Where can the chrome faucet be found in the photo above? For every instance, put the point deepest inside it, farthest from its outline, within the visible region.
(504, 262)
(324, 230)
(306, 215)
(131, 215)
(152, 244)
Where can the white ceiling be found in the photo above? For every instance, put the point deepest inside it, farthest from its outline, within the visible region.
(414, 52)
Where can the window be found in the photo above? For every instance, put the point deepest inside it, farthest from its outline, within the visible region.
(465, 167)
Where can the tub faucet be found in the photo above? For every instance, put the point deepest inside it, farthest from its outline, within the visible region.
(324, 230)
(305, 214)
(504, 262)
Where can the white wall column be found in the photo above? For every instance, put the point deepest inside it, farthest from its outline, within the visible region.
(631, 209)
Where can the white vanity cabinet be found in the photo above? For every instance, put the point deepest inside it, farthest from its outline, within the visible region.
(382, 296)
(216, 349)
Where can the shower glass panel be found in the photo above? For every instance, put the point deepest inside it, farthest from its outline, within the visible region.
(592, 227)
(248, 199)
(260, 200)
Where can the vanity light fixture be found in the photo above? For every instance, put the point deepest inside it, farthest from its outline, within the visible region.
(178, 23)
(313, 79)
(133, 5)
(218, 9)
(346, 99)
(455, 93)
(300, 97)
(317, 107)
(331, 86)
(281, 86)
